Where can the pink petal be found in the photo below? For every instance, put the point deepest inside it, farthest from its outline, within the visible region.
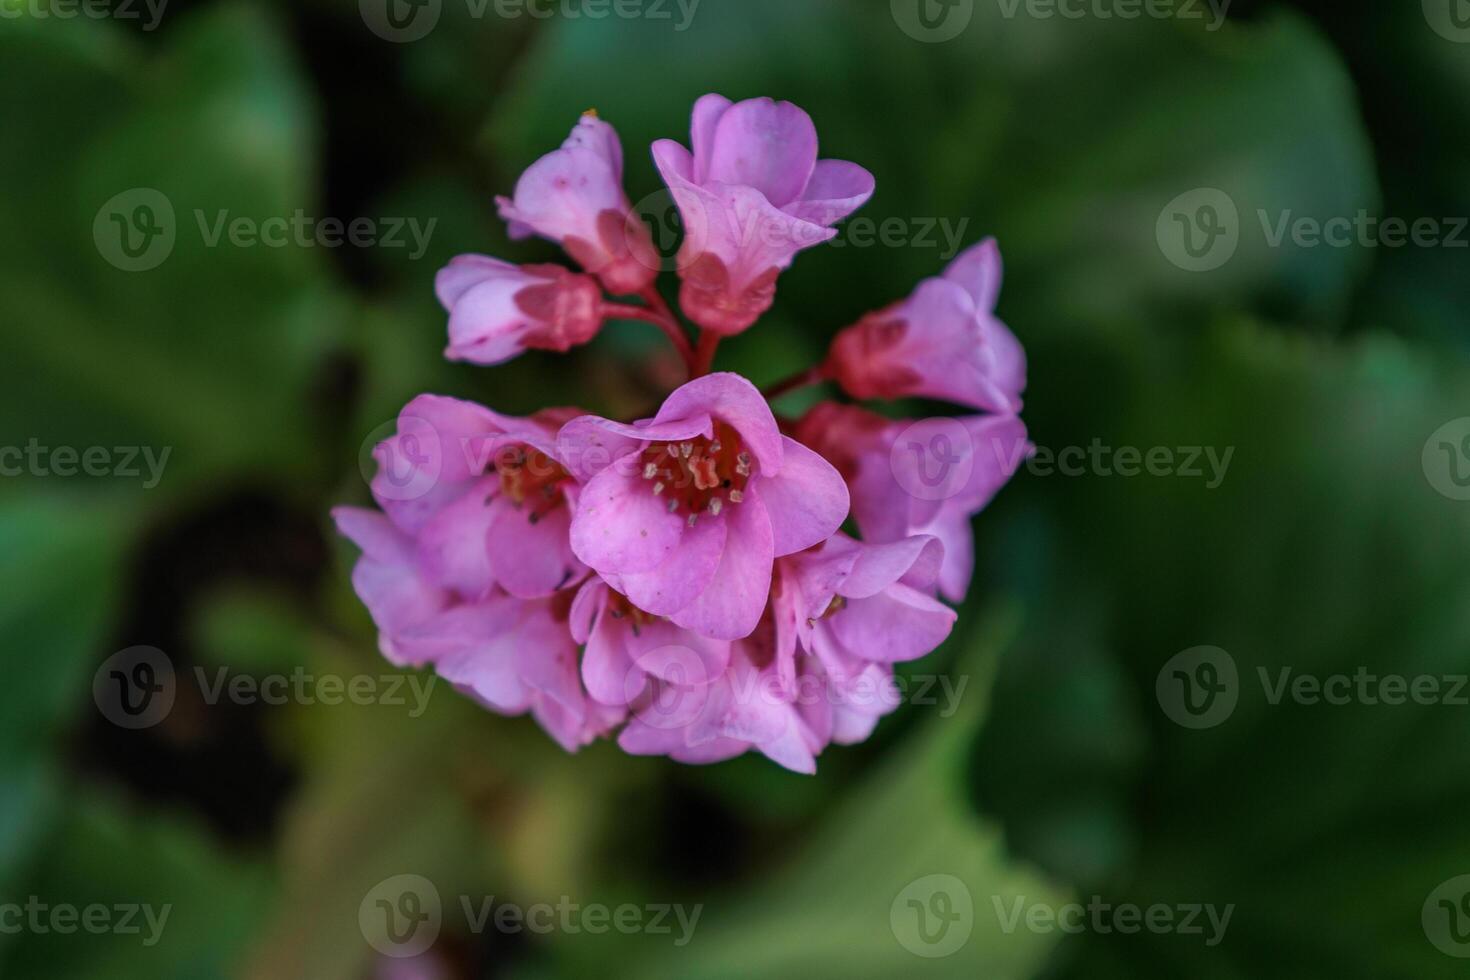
(731, 607)
(807, 501)
(621, 526)
(708, 112)
(531, 561)
(979, 271)
(770, 146)
(684, 575)
(915, 560)
(451, 546)
(733, 399)
(898, 624)
(588, 445)
(837, 189)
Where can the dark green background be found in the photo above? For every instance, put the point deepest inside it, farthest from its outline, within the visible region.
(267, 370)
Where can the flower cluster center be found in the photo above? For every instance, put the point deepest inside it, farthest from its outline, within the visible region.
(700, 475)
(532, 480)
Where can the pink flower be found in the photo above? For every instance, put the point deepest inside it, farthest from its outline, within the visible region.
(513, 656)
(943, 342)
(516, 657)
(853, 604)
(626, 647)
(695, 719)
(484, 497)
(886, 473)
(498, 310)
(752, 194)
(575, 196)
(685, 513)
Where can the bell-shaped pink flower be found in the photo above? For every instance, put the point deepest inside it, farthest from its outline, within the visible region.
(693, 718)
(498, 310)
(626, 648)
(926, 478)
(752, 194)
(685, 513)
(574, 196)
(853, 604)
(483, 496)
(943, 342)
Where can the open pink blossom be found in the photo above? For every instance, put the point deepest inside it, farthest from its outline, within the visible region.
(693, 718)
(943, 342)
(854, 604)
(885, 463)
(515, 656)
(512, 655)
(626, 647)
(575, 196)
(483, 495)
(498, 310)
(684, 513)
(752, 194)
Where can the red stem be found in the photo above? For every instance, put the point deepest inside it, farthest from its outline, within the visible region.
(658, 314)
(705, 356)
(811, 376)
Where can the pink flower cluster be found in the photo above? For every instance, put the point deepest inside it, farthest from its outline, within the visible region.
(683, 582)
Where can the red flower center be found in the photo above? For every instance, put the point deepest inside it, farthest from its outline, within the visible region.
(531, 480)
(700, 475)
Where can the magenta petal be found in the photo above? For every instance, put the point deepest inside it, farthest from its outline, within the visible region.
(708, 112)
(621, 526)
(588, 445)
(790, 749)
(730, 608)
(898, 624)
(915, 559)
(735, 400)
(476, 650)
(837, 189)
(768, 145)
(451, 546)
(531, 561)
(374, 534)
(466, 271)
(807, 501)
(979, 271)
(546, 657)
(678, 656)
(684, 575)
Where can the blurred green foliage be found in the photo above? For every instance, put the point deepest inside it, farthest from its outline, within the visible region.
(267, 371)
